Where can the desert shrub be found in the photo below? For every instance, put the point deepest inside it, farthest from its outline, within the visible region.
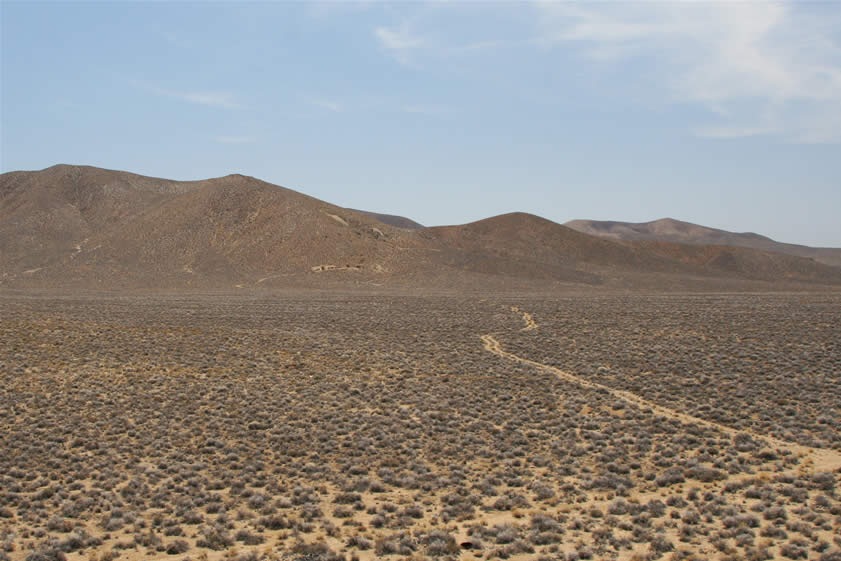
(793, 551)
(671, 476)
(618, 507)
(176, 530)
(343, 512)
(824, 481)
(744, 539)
(760, 492)
(59, 524)
(821, 546)
(257, 501)
(775, 513)
(796, 494)
(314, 552)
(177, 547)
(74, 541)
(248, 538)
(766, 455)
(691, 517)
(347, 498)
(310, 512)
(610, 482)
(822, 502)
(214, 537)
(400, 544)
(439, 543)
(656, 508)
(413, 511)
(516, 548)
(544, 523)
(773, 532)
(148, 539)
(360, 542)
(542, 492)
(192, 517)
(506, 533)
(387, 547)
(511, 501)
(546, 538)
(112, 523)
(660, 544)
(274, 522)
(704, 474)
(46, 552)
(213, 507)
(744, 443)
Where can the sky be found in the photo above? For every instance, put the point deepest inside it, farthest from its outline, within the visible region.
(726, 114)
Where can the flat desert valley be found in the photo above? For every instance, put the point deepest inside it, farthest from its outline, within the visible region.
(420, 280)
(309, 425)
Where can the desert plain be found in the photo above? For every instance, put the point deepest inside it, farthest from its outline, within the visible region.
(314, 425)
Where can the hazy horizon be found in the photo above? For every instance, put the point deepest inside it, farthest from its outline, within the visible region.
(722, 114)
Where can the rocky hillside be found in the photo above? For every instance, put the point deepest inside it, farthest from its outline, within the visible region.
(83, 227)
(671, 230)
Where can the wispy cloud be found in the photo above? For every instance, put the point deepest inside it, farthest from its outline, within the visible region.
(771, 66)
(489, 44)
(422, 109)
(213, 99)
(221, 99)
(732, 131)
(235, 139)
(327, 104)
(399, 41)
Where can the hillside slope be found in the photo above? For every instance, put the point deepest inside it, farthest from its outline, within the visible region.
(392, 219)
(74, 227)
(76, 223)
(670, 230)
(544, 249)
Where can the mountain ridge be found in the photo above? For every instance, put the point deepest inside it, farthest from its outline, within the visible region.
(392, 219)
(81, 226)
(678, 231)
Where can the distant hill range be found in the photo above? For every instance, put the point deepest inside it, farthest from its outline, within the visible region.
(671, 230)
(392, 220)
(78, 227)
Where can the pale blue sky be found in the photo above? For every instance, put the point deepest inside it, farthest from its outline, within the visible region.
(720, 113)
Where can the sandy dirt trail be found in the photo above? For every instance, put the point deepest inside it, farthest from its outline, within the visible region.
(815, 459)
(527, 318)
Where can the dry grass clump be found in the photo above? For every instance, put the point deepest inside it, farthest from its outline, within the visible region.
(359, 427)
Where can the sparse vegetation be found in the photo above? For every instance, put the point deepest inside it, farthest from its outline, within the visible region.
(306, 426)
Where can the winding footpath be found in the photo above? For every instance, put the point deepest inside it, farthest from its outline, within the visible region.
(815, 459)
(527, 318)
